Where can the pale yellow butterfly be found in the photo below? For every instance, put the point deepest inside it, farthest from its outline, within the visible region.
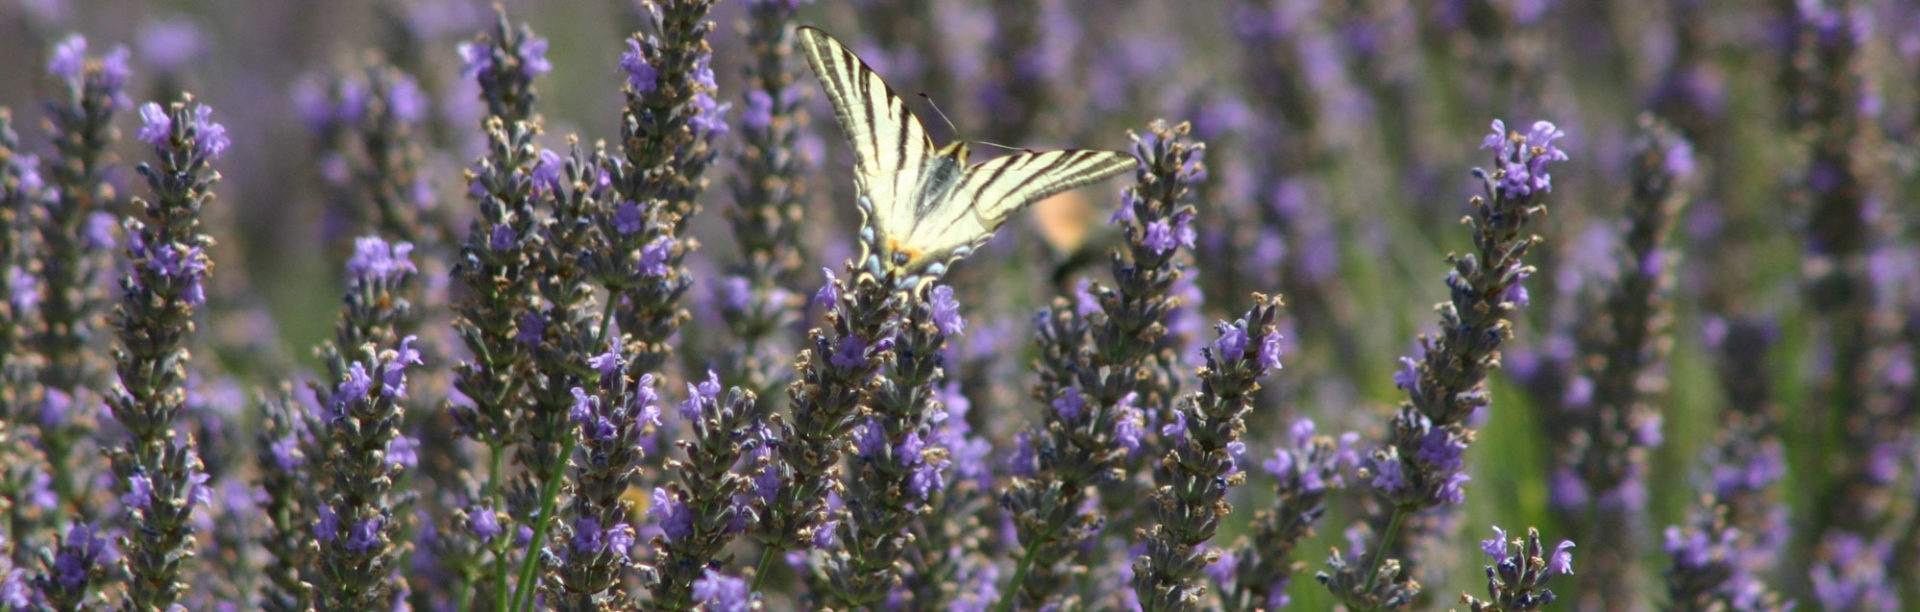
(925, 205)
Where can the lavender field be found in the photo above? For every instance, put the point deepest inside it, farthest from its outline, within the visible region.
(1402, 305)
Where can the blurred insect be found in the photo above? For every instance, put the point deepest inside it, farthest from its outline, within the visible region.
(925, 207)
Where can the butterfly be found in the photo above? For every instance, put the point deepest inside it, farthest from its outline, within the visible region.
(924, 207)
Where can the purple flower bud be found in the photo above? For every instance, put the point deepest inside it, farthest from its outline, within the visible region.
(393, 373)
(829, 295)
(533, 326)
(1024, 460)
(1084, 301)
(722, 593)
(641, 76)
(1441, 449)
(823, 535)
(85, 547)
(1409, 377)
(850, 355)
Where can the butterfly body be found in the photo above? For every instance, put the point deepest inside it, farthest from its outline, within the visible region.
(924, 206)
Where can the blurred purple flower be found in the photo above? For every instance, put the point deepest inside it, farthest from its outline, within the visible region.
(641, 76)
(722, 593)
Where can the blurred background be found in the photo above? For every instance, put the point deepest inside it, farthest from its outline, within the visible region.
(1340, 139)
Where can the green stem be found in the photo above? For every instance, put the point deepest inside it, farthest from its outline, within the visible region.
(760, 571)
(496, 457)
(549, 499)
(1393, 529)
(1019, 578)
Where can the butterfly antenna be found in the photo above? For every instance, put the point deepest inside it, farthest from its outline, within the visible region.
(943, 116)
(995, 144)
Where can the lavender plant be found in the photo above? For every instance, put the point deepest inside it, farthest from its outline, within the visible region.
(1104, 372)
(1420, 467)
(76, 237)
(161, 473)
(1522, 566)
(769, 187)
(1609, 417)
(358, 515)
(1200, 466)
(704, 508)
(1306, 474)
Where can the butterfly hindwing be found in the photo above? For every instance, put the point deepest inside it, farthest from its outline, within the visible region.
(991, 191)
(891, 148)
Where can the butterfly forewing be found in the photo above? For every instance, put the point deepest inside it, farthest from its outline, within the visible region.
(927, 204)
(891, 149)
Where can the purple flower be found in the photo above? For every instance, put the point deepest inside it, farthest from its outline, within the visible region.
(405, 99)
(403, 449)
(1129, 425)
(155, 126)
(1409, 377)
(286, 455)
(139, 492)
(654, 258)
(99, 231)
(1067, 406)
(23, 290)
(1269, 356)
(1159, 237)
(1454, 490)
(328, 526)
(69, 57)
(209, 138)
(1388, 475)
(823, 535)
(587, 536)
(484, 523)
(711, 119)
(533, 52)
(759, 113)
(1495, 547)
(502, 238)
(584, 406)
(1441, 449)
(1022, 463)
(353, 389)
(365, 535)
(641, 76)
(547, 173)
(186, 266)
(84, 547)
(1232, 343)
(829, 294)
(627, 218)
(1176, 427)
(532, 327)
(946, 311)
(1223, 569)
(608, 363)
(374, 258)
(114, 71)
(1561, 561)
(722, 593)
(474, 59)
(673, 515)
(706, 392)
(620, 539)
(393, 373)
(851, 354)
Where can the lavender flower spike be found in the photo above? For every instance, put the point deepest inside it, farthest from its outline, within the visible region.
(708, 494)
(162, 474)
(1421, 465)
(1195, 475)
(1517, 580)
